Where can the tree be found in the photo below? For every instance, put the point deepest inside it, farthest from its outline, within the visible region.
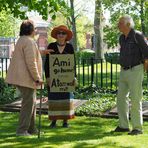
(9, 26)
(44, 7)
(84, 26)
(73, 21)
(138, 9)
(76, 11)
(98, 29)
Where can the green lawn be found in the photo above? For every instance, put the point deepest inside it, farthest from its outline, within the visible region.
(85, 132)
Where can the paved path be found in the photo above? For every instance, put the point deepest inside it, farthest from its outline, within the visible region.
(15, 106)
(114, 114)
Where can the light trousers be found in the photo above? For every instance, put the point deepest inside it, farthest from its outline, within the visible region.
(130, 82)
(28, 110)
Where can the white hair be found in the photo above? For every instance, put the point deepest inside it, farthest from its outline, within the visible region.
(128, 19)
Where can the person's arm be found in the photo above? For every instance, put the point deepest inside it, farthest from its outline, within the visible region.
(146, 65)
(46, 51)
(75, 78)
(121, 39)
(46, 65)
(46, 68)
(72, 51)
(142, 43)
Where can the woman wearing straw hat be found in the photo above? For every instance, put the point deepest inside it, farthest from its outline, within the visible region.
(60, 103)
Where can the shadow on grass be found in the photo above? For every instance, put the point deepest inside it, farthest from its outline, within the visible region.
(84, 132)
(82, 129)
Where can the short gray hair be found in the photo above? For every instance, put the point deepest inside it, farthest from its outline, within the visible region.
(128, 19)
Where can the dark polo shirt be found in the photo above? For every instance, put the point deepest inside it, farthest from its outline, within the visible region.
(133, 49)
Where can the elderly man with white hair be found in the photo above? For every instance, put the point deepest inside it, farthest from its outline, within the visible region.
(133, 61)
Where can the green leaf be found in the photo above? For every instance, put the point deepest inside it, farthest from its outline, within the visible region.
(53, 17)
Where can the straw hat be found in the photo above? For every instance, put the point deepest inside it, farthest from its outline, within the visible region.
(63, 28)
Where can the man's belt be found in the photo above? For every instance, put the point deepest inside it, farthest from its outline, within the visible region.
(126, 68)
(129, 67)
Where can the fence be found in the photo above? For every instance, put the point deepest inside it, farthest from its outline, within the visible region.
(89, 72)
(4, 64)
(6, 47)
(97, 72)
(100, 73)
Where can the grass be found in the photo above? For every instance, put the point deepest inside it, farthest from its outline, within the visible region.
(85, 132)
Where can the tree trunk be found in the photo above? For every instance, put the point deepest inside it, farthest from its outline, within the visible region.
(142, 16)
(74, 30)
(98, 29)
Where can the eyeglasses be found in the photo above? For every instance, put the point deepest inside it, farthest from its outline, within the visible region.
(61, 33)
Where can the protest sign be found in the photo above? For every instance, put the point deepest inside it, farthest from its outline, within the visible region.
(62, 72)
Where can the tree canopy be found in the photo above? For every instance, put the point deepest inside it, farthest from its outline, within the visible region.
(44, 7)
(9, 26)
(138, 9)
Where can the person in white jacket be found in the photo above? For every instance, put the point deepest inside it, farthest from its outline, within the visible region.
(25, 72)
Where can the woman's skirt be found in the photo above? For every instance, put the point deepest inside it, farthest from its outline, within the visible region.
(61, 106)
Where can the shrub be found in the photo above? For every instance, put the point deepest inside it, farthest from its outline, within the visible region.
(2, 85)
(84, 54)
(99, 100)
(112, 57)
(6, 92)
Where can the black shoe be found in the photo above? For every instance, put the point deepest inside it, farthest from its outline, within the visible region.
(119, 129)
(135, 132)
(53, 124)
(33, 132)
(65, 124)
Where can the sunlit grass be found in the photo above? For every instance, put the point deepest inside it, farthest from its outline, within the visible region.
(84, 132)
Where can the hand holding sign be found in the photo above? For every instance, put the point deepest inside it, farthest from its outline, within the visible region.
(75, 82)
(146, 65)
(48, 81)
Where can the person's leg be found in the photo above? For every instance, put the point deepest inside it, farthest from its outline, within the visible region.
(32, 129)
(53, 124)
(26, 109)
(122, 102)
(65, 120)
(65, 123)
(136, 97)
